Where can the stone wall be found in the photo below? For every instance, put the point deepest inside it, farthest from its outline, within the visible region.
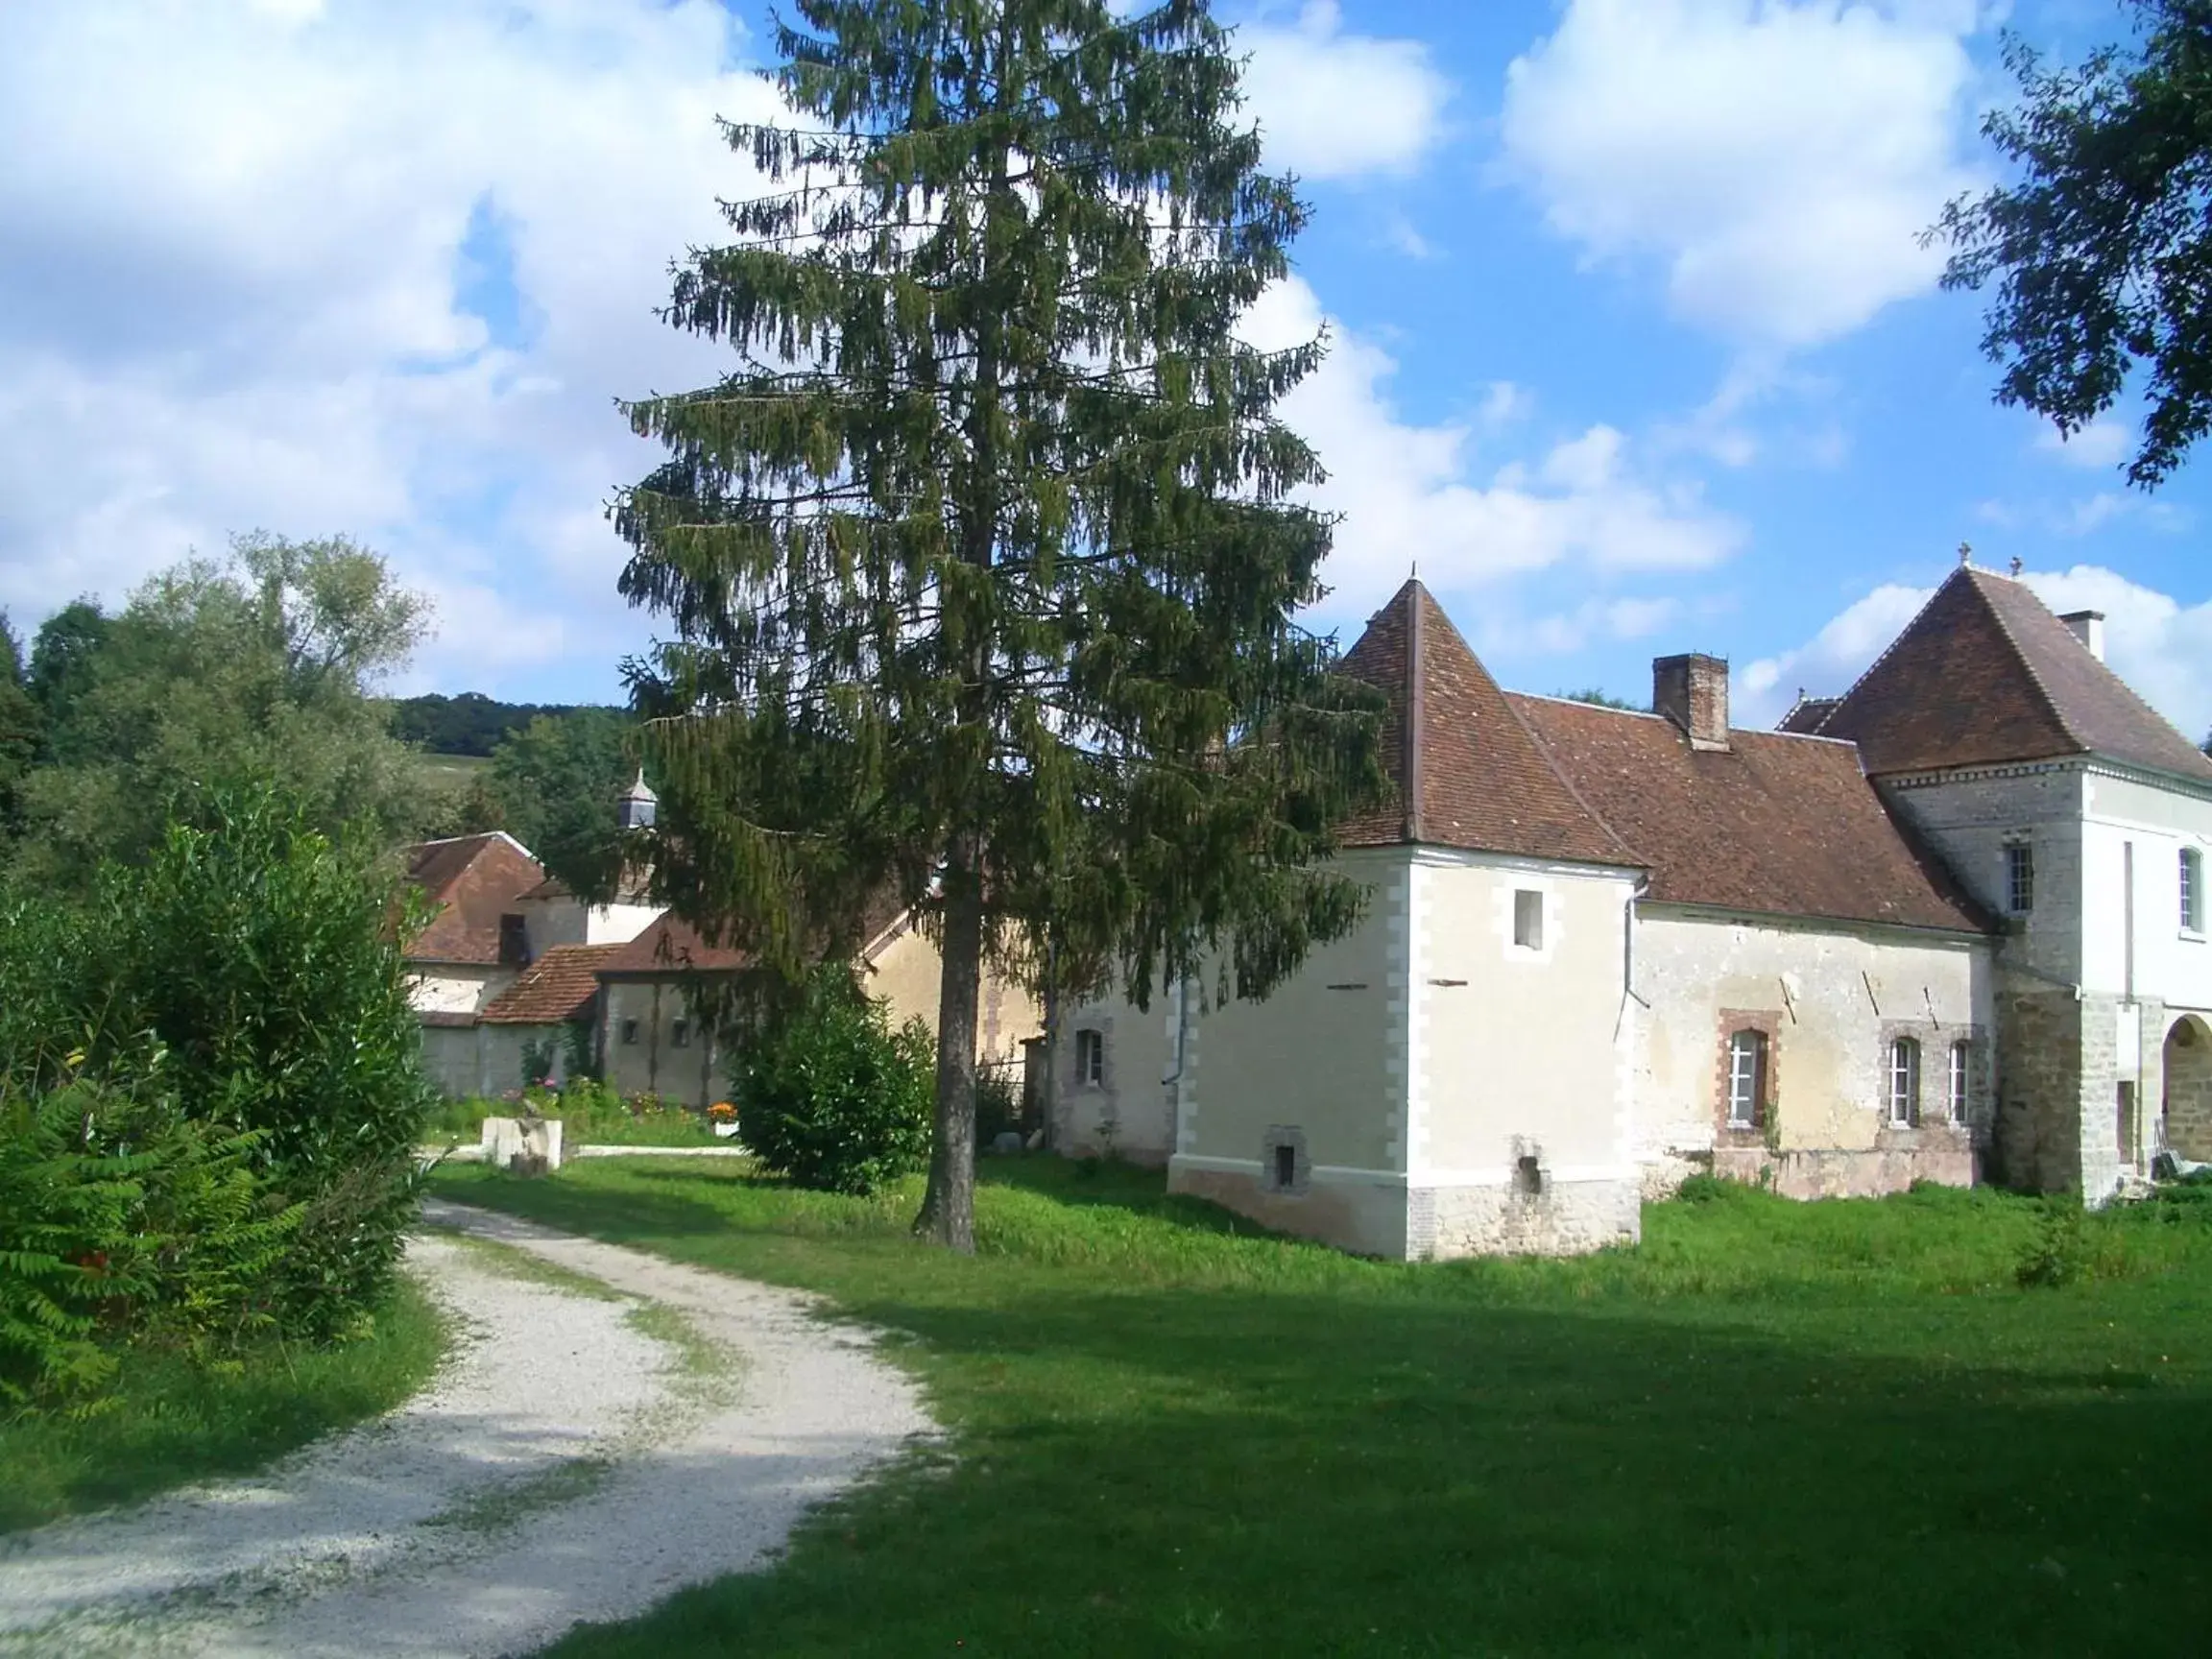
(2188, 1088)
(1522, 1218)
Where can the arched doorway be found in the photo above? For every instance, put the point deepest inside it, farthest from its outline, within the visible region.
(2188, 1113)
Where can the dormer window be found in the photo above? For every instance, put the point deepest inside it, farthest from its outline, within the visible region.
(2019, 877)
(2192, 889)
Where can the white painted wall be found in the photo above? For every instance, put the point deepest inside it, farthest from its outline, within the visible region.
(455, 988)
(1520, 1051)
(2169, 963)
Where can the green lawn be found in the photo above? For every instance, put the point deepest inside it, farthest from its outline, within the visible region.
(1773, 1429)
(169, 1421)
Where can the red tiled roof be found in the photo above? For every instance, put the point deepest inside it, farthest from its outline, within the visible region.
(474, 880)
(1468, 772)
(1774, 825)
(675, 945)
(1986, 674)
(556, 988)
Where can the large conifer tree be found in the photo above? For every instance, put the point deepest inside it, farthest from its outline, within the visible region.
(979, 569)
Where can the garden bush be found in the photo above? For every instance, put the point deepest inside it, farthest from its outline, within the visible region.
(210, 1093)
(829, 1094)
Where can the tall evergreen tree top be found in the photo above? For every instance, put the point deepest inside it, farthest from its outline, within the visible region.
(982, 564)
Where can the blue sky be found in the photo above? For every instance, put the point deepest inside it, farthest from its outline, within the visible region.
(1635, 351)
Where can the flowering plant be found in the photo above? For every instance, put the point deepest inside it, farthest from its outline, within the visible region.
(722, 1112)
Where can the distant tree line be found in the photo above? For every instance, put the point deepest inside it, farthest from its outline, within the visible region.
(468, 723)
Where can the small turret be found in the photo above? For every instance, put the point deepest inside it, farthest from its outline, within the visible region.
(639, 805)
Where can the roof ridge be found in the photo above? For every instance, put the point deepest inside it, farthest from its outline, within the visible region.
(2020, 652)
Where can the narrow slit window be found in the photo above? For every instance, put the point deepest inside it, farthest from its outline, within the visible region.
(1285, 1166)
(2019, 877)
(2192, 889)
(1962, 1057)
(1528, 919)
(1747, 1078)
(1091, 1058)
(1903, 1082)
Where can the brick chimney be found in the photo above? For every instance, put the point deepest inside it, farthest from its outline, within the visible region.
(1692, 691)
(2088, 627)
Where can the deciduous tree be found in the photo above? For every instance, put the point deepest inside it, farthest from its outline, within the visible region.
(2102, 250)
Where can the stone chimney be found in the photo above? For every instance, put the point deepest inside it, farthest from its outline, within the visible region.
(1692, 692)
(2088, 627)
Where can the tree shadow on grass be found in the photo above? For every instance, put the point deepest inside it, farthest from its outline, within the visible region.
(1400, 1464)
(1246, 1473)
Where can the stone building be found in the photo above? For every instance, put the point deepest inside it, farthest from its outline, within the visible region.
(1909, 937)
(2081, 820)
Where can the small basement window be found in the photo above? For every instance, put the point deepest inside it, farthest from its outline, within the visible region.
(2019, 877)
(629, 1033)
(1528, 919)
(1285, 1166)
(1091, 1058)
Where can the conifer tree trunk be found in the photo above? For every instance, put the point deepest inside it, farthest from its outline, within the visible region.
(948, 1215)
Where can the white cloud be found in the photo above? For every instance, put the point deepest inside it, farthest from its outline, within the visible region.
(227, 291)
(1335, 106)
(2102, 445)
(1426, 496)
(228, 286)
(1778, 159)
(2160, 646)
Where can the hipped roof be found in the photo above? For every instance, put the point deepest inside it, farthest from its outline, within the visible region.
(557, 987)
(1774, 824)
(473, 880)
(1985, 674)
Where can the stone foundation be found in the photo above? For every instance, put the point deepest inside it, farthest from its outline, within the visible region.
(1558, 1219)
(1356, 1213)
(1945, 1157)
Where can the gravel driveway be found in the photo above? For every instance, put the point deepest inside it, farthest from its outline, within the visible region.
(611, 1427)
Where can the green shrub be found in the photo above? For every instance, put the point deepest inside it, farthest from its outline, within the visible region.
(998, 1103)
(830, 1095)
(246, 980)
(119, 1213)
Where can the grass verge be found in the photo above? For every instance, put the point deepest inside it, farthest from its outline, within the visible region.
(169, 1421)
(1772, 1429)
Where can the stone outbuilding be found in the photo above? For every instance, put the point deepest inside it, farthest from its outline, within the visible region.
(1946, 926)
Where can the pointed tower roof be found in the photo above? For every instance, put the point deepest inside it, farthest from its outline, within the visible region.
(1986, 674)
(639, 790)
(1468, 771)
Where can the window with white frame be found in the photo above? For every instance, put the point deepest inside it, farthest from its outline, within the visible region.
(1528, 918)
(1091, 1058)
(2019, 877)
(1961, 1059)
(2192, 889)
(1903, 1082)
(1747, 1078)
